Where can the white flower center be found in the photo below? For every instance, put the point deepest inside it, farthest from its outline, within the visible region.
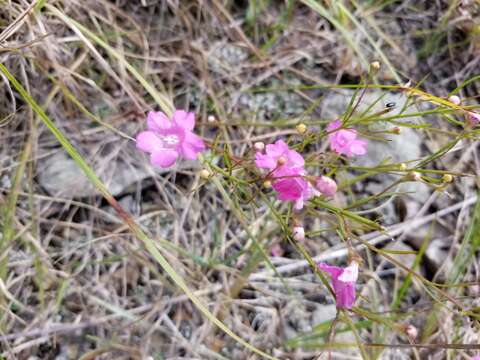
(170, 140)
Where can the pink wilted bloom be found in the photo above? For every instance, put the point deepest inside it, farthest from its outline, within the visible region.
(344, 141)
(278, 156)
(327, 186)
(168, 139)
(343, 283)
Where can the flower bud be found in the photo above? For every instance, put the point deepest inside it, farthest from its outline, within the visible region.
(259, 146)
(301, 128)
(299, 233)
(375, 65)
(205, 174)
(447, 178)
(327, 186)
(454, 99)
(414, 176)
(396, 130)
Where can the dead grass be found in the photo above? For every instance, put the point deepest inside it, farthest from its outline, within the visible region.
(78, 284)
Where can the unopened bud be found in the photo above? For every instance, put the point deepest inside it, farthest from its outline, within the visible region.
(281, 161)
(375, 65)
(211, 119)
(301, 128)
(299, 233)
(327, 186)
(267, 184)
(259, 146)
(454, 99)
(396, 130)
(205, 174)
(411, 331)
(447, 178)
(414, 176)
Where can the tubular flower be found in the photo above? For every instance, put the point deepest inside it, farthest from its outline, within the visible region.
(344, 141)
(168, 139)
(343, 283)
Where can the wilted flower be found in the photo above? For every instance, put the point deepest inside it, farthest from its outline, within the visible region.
(166, 140)
(344, 141)
(343, 283)
(327, 186)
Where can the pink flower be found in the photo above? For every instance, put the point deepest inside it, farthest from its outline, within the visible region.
(344, 141)
(473, 117)
(287, 173)
(279, 156)
(343, 283)
(291, 185)
(327, 186)
(166, 140)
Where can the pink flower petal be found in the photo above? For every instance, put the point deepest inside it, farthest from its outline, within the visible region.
(295, 159)
(276, 150)
(191, 146)
(147, 141)
(164, 158)
(264, 161)
(357, 147)
(334, 125)
(288, 189)
(335, 271)
(184, 119)
(343, 283)
(350, 273)
(157, 120)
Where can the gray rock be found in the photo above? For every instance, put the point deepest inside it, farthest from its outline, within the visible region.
(61, 176)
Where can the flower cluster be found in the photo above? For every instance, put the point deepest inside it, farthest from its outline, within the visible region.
(168, 139)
